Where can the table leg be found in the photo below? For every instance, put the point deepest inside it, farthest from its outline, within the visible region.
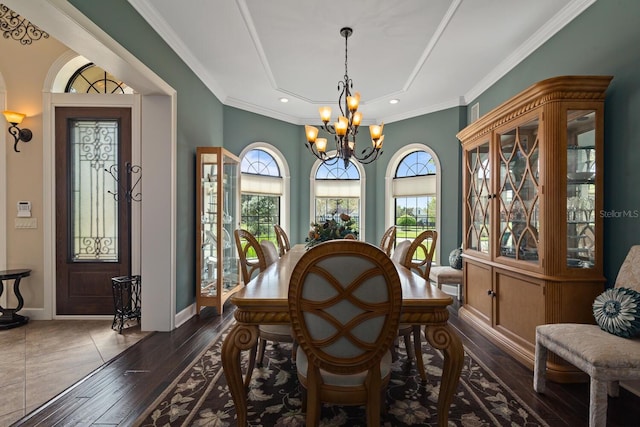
(16, 290)
(241, 337)
(443, 337)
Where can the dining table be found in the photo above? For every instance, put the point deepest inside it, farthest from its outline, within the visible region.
(264, 300)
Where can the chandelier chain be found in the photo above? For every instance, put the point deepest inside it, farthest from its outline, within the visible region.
(345, 129)
(346, 73)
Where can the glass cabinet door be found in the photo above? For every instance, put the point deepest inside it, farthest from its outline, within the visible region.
(478, 198)
(518, 194)
(581, 188)
(230, 216)
(217, 263)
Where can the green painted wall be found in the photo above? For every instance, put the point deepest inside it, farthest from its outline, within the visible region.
(199, 118)
(603, 40)
(242, 128)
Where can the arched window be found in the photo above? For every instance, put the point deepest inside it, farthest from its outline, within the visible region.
(79, 75)
(414, 189)
(337, 190)
(90, 78)
(264, 191)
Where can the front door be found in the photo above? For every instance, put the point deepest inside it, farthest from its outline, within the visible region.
(93, 242)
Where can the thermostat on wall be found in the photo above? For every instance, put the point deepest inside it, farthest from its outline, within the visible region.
(24, 209)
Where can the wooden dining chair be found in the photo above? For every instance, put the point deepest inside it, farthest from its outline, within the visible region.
(388, 239)
(253, 261)
(405, 254)
(283, 240)
(345, 300)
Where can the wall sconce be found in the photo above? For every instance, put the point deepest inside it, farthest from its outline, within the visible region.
(15, 119)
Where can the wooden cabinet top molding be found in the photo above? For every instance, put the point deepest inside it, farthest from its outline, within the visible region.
(555, 89)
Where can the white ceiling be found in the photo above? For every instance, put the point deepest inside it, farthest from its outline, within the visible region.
(430, 55)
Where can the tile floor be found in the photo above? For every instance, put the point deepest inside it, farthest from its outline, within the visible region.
(44, 357)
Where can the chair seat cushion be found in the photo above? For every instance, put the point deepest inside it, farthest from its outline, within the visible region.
(587, 345)
(302, 365)
(444, 274)
(274, 330)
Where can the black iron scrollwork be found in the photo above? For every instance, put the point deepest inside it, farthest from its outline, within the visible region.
(16, 27)
(128, 191)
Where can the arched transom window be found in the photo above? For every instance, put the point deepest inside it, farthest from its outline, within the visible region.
(92, 79)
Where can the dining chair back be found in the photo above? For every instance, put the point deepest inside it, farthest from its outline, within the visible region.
(400, 252)
(270, 251)
(283, 240)
(252, 260)
(419, 256)
(345, 300)
(388, 239)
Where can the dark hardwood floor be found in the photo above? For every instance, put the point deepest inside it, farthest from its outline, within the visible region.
(117, 393)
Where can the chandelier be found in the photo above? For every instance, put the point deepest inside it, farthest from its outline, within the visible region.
(345, 129)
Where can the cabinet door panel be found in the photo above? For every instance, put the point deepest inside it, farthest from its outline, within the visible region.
(477, 290)
(518, 192)
(478, 198)
(519, 306)
(581, 189)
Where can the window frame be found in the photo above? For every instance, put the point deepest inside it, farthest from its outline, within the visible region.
(285, 175)
(312, 194)
(392, 166)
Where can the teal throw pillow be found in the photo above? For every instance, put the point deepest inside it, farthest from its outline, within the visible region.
(617, 311)
(455, 259)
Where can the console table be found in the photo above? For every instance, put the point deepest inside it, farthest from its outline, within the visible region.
(9, 317)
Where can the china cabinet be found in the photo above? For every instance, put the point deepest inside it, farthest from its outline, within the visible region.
(217, 209)
(532, 195)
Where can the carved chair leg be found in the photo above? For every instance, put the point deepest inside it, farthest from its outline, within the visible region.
(417, 350)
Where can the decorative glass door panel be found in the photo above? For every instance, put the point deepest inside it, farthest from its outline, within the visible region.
(94, 230)
(478, 198)
(519, 201)
(581, 188)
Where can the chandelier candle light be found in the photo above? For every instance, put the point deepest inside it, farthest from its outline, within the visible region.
(345, 128)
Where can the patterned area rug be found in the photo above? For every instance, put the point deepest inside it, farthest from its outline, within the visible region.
(200, 395)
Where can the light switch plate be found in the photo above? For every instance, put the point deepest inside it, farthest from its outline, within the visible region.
(26, 223)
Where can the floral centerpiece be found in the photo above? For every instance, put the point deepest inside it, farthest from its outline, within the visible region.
(330, 230)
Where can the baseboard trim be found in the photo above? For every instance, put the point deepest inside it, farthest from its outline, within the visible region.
(185, 315)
